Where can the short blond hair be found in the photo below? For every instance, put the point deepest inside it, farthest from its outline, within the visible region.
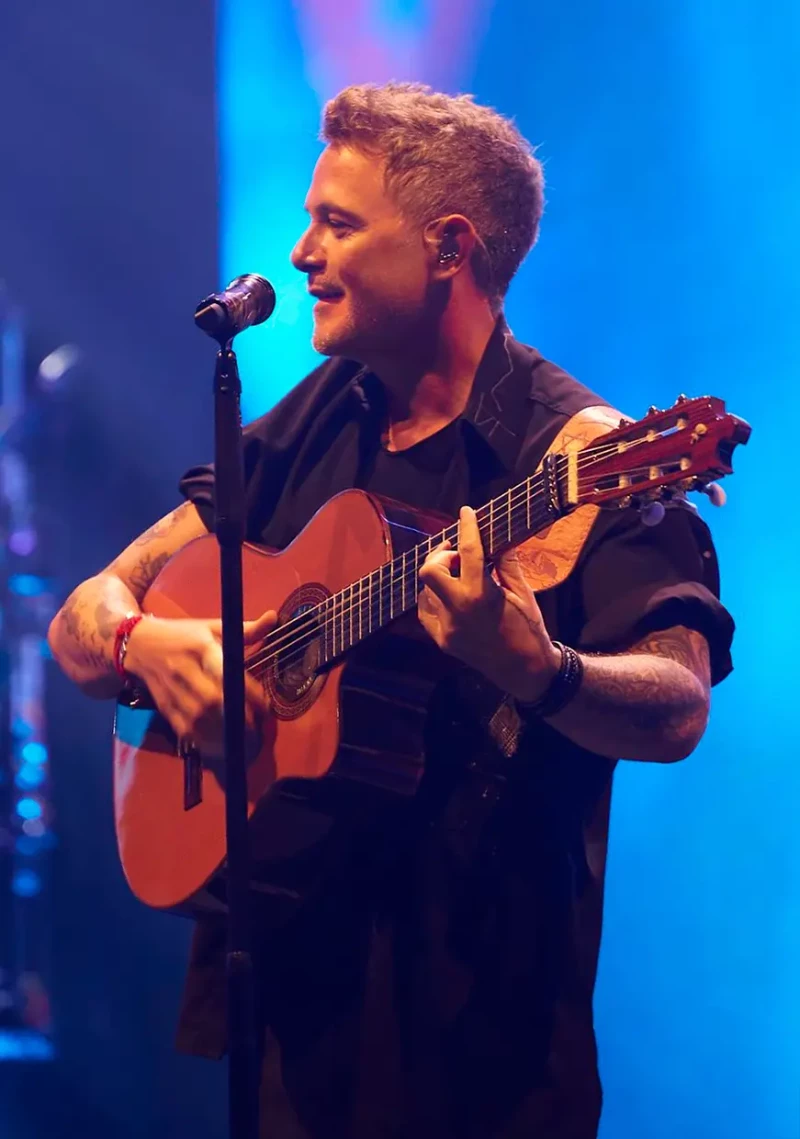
(447, 154)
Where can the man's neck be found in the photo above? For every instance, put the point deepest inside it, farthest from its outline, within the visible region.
(431, 387)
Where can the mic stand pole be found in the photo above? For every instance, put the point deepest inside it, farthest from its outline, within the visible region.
(229, 525)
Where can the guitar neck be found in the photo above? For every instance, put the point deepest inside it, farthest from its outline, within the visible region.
(374, 601)
(678, 449)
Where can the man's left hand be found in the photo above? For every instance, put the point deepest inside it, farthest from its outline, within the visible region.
(493, 626)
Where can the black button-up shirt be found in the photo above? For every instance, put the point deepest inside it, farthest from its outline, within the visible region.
(438, 983)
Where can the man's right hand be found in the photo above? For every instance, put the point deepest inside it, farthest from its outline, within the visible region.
(180, 662)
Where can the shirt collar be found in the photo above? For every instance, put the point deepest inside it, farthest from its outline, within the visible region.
(499, 404)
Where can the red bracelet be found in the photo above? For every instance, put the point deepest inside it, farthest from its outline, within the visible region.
(121, 638)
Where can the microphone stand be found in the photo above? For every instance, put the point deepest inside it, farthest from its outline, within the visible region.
(229, 526)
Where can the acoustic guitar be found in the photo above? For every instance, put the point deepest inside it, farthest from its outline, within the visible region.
(347, 669)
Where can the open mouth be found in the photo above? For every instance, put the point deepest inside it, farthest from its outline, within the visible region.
(326, 300)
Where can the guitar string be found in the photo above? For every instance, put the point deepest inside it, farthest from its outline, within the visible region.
(350, 609)
(519, 492)
(342, 606)
(348, 606)
(586, 458)
(432, 542)
(345, 607)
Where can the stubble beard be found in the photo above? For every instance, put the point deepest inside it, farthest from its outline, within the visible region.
(359, 334)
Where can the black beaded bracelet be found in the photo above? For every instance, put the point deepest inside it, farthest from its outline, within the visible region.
(563, 687)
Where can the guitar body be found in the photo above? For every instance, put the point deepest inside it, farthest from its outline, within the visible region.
(356, 725)
(349, 670)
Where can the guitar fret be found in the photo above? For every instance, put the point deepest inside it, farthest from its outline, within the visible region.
(343, 628)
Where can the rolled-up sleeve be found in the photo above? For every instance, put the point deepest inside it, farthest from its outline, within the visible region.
(636, 579)
(197, 485)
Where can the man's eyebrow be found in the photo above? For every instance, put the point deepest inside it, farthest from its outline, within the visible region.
(325, 208)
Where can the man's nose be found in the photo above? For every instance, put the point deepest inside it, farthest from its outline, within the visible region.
(306, 255)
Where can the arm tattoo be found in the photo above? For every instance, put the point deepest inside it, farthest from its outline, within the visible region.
(164, 526)
(83, 633)
(649, 701)
(685, 646)
(106, 621)
(145, 572)
(90, 640)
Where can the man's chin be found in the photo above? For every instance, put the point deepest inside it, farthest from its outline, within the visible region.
(331, 344)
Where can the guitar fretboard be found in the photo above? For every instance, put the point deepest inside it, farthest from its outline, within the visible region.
(372, 602)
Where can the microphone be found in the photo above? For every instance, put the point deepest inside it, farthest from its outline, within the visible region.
(248, 300)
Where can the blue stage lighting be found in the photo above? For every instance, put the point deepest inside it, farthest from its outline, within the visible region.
(24, 1045)
(29, 808)
(21, 729)
(33, 752)
(27, 585)
(26, 883)
(29, 776)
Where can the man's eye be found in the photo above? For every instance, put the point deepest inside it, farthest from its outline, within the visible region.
(336, 223)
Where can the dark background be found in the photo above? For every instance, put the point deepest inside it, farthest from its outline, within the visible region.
(108, 238)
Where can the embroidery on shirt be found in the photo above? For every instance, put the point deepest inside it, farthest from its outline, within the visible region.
(486, 419)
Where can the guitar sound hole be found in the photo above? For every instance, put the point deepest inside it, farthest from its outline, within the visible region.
(298, 660)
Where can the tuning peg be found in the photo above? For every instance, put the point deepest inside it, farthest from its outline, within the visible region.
(652, 513)
(652, 409)
(716, 494)
(681, 398)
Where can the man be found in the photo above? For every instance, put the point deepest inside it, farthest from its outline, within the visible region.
(438, 981)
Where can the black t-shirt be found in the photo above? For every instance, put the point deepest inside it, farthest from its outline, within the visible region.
(440, 982)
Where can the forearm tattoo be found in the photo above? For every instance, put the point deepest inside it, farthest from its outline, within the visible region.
(145, 572)
(150, 554)
(685, 646)
(652, 697)
(91, 614)
(164, 526)
(93, 639)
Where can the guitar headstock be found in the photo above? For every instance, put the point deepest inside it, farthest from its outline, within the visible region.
(683, 448)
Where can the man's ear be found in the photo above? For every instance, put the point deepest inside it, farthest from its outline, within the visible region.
(449, 242)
